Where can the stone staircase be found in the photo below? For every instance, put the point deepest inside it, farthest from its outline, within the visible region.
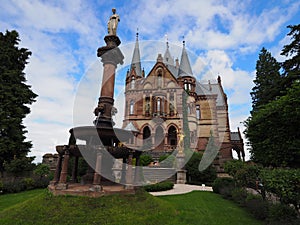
(157, 174)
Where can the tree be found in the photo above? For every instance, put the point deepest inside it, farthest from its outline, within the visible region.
(15, 96)
(267, 81)
(291, 66)
(197, 176)
(274, 133)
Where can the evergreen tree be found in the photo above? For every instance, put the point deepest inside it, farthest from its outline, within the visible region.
(273, 131)
(291, 66)
(15, 96)
(267, 81)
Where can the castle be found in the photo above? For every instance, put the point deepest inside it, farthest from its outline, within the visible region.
(154, 107)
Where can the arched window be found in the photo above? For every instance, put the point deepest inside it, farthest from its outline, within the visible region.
(158, 105)
(186, 85)
(132, 82)
(147, 137)
(198, 112)
(131, 107)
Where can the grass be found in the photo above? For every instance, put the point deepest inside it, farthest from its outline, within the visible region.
(142, 208)
(9, 200)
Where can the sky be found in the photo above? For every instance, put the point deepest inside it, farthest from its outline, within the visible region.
(63, 36)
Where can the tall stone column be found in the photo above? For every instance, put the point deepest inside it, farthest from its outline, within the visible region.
(75, 170)
(110, 56)
(138, 172)
(57, 170)
(64, 172)
(97, 176)
(129, 173)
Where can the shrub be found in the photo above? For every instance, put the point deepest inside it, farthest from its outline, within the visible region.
(282, 214)
(257, 206)
(224, 186)
(195, 176)
(145, 160)
(167, 161)
(163, 186)
(239, 195)
(28, 183)
(13, 186)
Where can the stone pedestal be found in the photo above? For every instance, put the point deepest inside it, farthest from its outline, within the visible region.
(181, 177)
(181, 173)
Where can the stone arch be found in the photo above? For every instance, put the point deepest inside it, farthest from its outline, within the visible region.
(147, 142)
(172, 136)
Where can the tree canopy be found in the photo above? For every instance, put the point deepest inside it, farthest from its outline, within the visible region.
(273, 126)
(15, 96)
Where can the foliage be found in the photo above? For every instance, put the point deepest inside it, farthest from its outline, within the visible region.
(282, 214)
(257, 206)
(245, 175)
(291, 65)
(273, 138)
(284, 183)
(18, 166)
(239, 195)
(141, 208)
(195, 175)
(267, 81)
(162, 186)
(224, 186)
(15, 96)
(145, 159)
(82, 166)
(42, 170)
(279, 146)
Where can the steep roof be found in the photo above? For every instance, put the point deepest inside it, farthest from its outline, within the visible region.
(136, 59)
(211, 89)
(168, 59)
(185, 68)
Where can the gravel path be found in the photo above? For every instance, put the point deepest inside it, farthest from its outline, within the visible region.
(181, 189)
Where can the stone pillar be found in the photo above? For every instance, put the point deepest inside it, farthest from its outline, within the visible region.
(129, 172)
(138, 172)
(64, 172)
(123, 172)
(57, 170)
(181, 173)
(75, 170)
(111, 56)
(97, 176)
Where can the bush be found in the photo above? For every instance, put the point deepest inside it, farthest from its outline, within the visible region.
(257, 206)
(224, 186)
(145, 159)
(163, 186)
(195, 176)
(282, 214)
(28, 183)
(167, 161)
(239, 195)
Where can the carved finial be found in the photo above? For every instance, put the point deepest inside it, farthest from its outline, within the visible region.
(137, 33)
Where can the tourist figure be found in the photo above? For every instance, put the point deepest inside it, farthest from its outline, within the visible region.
(113, 23)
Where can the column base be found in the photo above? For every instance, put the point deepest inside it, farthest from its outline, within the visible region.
(96, 188)
(61, 186)
(181, 177)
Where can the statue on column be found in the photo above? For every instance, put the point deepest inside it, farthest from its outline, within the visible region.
(113, 23)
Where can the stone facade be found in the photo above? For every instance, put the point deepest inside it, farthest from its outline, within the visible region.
(154, 106)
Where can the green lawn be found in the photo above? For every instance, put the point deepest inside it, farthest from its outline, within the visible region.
(10, 200)
(40, 207)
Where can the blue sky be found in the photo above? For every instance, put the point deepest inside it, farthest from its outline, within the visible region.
(225, 36)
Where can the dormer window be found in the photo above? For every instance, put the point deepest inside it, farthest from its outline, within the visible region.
(186, 85)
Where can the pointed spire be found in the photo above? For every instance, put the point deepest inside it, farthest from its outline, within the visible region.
(136, 59)
(185, 66)
(168, 59)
